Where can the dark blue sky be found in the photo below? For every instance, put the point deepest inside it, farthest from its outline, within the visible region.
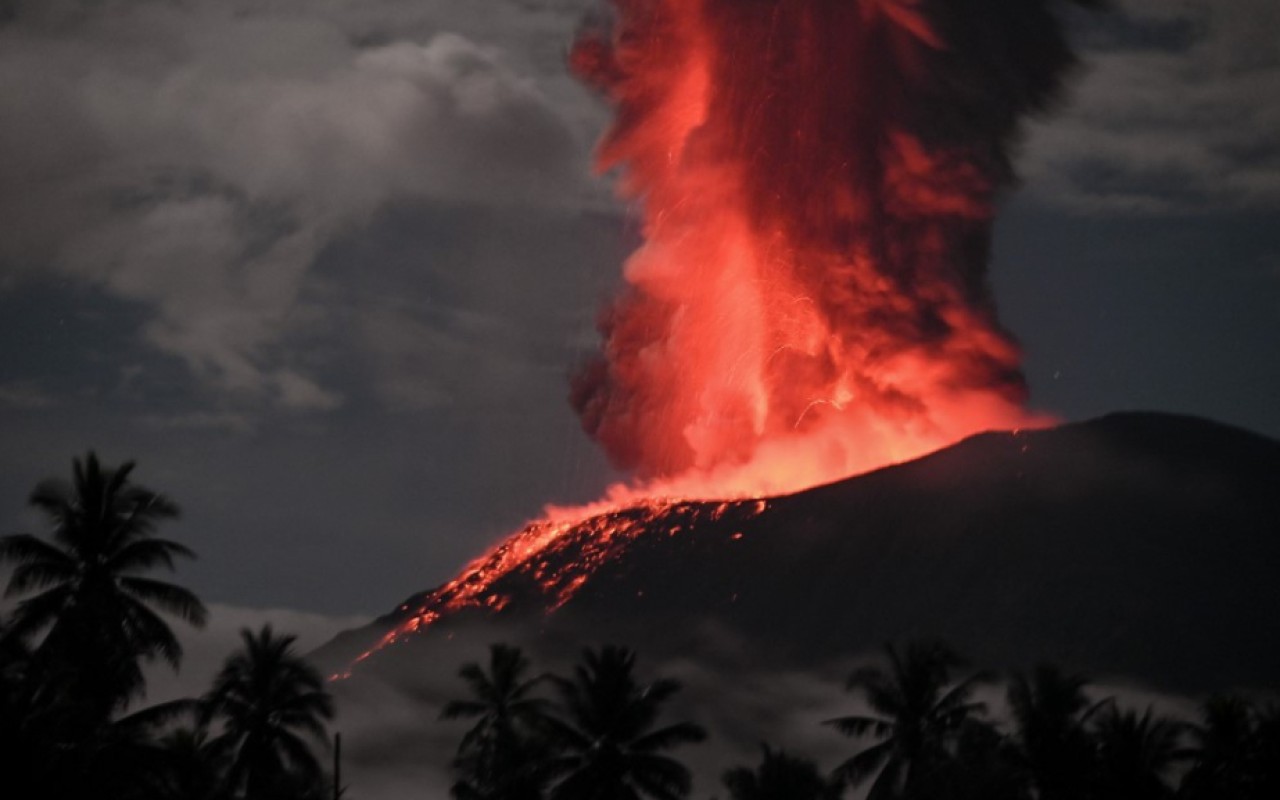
(322, 268)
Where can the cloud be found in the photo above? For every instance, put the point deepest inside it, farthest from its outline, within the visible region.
(205, 649)
(196, 159)
(25, 395)
(227, 421)
(429, 357)
(1173, 114)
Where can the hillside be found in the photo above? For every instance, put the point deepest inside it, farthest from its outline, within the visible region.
(1140, 545)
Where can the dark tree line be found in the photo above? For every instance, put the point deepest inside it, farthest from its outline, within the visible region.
(601, 739)
(931, 739)
(73, 651)
(924, 736)
(93, 614)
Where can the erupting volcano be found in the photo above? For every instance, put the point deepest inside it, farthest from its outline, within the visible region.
(818, 181)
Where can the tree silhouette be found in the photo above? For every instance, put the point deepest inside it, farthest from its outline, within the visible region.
(1135, 753)
(92, 595)
(1049, 711)
(1223, 749)
(609, 747)
(193, 769)
(501, 755)
(27, 732)
(919, 717)
(1265, 752)
(127, 759)
(780, 776)
(270, 703)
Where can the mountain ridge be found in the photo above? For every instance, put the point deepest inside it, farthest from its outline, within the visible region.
(1139, 543)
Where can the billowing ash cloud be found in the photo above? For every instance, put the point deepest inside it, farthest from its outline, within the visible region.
(818, 178)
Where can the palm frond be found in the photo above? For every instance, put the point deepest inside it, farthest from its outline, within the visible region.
(160, 714)
(136, 554)
(860, 726)
(53, 496)
(670, 736)
(40, 611)
(174, 599)
(864, 763)
(462, 708)
(153, 634)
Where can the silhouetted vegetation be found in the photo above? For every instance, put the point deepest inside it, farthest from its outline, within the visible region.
(921, 718)
(91, 616)
(602, 739)
(72, 657)
(272, 708)
(780, 776)
(504, 753)
(924, 737)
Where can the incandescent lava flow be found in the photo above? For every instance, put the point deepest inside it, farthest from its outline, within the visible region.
(818, 181)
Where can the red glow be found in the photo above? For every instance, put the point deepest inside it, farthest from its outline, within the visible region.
(553, 559)
(810, 300)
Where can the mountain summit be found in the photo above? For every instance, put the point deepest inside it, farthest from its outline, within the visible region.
(1141, 545)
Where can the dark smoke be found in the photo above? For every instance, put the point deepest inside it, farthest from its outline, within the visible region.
(867, 142)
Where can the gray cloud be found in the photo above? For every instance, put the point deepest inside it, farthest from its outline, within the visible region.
(426, 358)
(196, 159)
(1174, 114)
(25, 395)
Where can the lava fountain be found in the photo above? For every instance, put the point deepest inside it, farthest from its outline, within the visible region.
(818, 181)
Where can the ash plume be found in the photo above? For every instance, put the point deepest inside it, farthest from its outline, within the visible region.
(818, 181)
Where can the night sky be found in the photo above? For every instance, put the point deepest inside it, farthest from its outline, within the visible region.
(322, 267)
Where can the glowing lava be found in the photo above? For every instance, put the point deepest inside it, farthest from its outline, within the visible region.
(817, 180)
(552, 558)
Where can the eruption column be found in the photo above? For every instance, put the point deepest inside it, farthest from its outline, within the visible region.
(818, 180)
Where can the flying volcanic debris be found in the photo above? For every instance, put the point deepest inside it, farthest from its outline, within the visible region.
(818, 180)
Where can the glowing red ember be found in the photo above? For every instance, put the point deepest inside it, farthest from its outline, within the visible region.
(817, 180)
(811, 298)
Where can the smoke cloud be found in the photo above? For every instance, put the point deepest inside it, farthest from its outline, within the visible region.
(196, 159)
(818, 180)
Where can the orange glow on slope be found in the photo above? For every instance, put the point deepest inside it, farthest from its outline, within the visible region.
(552, 559)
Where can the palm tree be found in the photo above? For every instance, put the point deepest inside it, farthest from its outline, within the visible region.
(780, 777)
(270, 702)
(1223, 751)
(920, 718)
(92, 595)
(1135, 753)
(1265, 760)
(609, 747)
(499, 756)
(127, 759)
(26, 730)
(983, 767)
(1049, 711)
(193, 770)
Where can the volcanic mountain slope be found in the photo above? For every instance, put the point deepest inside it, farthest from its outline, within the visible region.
(1139, 544)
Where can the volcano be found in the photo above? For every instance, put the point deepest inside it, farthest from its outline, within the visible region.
(1141, 545)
